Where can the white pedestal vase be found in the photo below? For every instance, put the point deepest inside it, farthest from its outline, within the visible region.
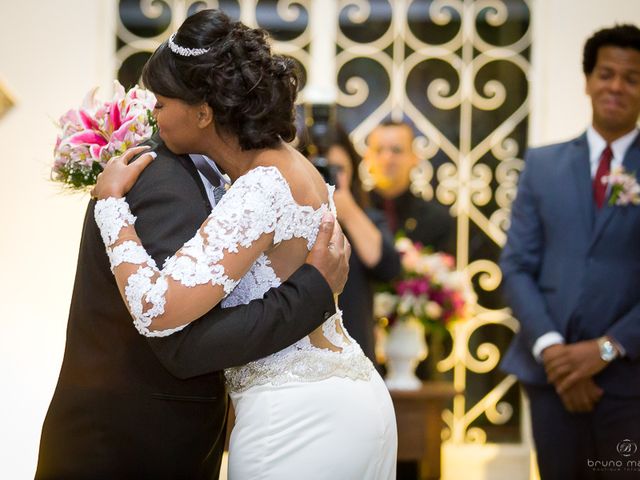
(405, 347)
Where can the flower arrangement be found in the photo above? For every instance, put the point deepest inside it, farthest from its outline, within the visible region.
(430, 289)
(624, 187)
(97, 131)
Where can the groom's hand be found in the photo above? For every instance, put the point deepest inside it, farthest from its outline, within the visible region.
(567, 364)
(582, 396)
(330, 254)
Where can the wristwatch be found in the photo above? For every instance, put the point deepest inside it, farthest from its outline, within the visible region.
(608, 350)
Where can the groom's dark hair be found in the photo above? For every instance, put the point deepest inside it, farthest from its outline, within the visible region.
(623, 36)
(250, 90)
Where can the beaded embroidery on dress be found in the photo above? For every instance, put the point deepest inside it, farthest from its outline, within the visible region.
(260, 202)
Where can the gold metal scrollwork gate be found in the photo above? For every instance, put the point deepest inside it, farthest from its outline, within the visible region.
(477, 173)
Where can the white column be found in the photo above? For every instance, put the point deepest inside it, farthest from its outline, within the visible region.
(321, 82)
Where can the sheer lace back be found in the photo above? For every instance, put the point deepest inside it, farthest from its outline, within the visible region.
(328, 350)
(295, 222)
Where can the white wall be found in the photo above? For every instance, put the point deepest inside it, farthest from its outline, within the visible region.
(560, 109)
(51, 53)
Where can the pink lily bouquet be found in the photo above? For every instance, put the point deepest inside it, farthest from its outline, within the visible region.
(430, 290)
(90, 135)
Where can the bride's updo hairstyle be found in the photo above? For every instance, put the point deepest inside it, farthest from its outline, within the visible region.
(229, 66)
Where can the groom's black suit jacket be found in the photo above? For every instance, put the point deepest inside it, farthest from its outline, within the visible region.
(126, 406)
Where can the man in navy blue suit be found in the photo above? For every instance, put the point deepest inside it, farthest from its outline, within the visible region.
(571, 269)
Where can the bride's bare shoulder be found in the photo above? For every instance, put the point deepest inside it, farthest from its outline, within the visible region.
(305, 182)
(307, 185)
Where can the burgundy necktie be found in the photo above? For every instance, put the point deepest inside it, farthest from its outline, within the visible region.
(599, 188)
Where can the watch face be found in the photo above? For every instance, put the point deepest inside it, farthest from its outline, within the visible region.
(607, 352)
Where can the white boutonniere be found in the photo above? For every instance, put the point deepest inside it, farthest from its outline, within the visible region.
(624, 187)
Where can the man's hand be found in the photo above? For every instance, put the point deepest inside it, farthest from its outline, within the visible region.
(582, 396)
(330, 254)
(567, 364)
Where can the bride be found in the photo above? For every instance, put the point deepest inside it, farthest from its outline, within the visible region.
(317, 409)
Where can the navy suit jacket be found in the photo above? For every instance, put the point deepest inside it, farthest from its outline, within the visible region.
(571, 267)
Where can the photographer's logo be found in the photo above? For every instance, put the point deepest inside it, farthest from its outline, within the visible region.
(626, 448)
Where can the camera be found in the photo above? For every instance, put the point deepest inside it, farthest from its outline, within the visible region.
(329, 172)
(320, 120)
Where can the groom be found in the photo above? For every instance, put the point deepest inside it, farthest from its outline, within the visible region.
(571, 270)
(131, 407)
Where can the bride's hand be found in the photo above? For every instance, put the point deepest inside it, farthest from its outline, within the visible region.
(118, 175)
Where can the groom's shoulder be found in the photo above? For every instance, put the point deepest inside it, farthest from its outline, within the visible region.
(167, 165)
(547, 158)
(167, 173)
(556, 150)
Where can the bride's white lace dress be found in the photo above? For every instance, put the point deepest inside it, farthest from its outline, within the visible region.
(315, 410)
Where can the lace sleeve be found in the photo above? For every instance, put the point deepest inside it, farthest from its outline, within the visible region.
(205, 269)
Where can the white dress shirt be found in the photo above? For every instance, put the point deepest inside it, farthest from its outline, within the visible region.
(597, 144)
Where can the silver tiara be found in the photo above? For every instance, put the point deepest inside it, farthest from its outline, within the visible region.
(185, 51)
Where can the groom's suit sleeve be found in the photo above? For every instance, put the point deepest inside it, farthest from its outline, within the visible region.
(169, 209)
(522, 256)
(626, 331)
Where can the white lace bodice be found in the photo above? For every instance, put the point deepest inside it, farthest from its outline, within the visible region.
(226, 261)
